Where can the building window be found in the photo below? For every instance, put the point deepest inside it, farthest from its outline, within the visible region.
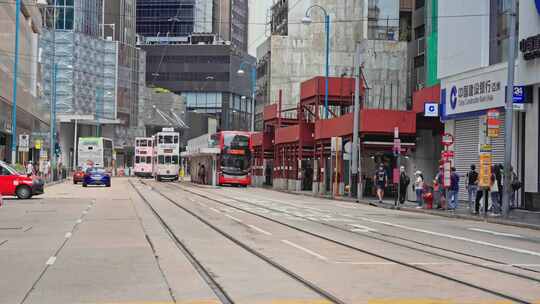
(419, 4)
(383, 20)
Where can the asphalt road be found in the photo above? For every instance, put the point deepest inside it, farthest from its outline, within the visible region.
(148, 242)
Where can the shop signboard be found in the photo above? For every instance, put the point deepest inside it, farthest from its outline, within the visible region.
(484, 179)
(493, 123)
(477, 92)
(24, 143)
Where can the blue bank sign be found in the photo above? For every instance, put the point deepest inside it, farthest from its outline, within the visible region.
(474, 93)
(537, 2)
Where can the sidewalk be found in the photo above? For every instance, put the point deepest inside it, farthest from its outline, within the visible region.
(517, 217)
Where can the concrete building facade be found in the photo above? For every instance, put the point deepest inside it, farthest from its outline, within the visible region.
(230, 22)
(295, 52)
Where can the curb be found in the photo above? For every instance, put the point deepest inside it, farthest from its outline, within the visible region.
(424, 211)
(47, 185)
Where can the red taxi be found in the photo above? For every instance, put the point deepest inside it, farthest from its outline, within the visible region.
(13, 183)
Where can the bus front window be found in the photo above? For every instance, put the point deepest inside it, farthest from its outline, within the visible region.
(161, 159)
(167, 160)
(175, 159)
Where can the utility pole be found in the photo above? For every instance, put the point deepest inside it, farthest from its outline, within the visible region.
(15, 77)
(354, 155)
(508, 123)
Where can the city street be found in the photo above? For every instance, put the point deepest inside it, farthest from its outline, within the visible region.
(141, 241)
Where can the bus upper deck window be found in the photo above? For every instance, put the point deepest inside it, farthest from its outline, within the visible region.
(175, 139)
(161, 140)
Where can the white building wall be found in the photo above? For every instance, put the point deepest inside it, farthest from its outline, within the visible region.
(463, 42)
(528, 73)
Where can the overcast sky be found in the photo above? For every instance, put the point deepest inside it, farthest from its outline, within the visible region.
(257, 17)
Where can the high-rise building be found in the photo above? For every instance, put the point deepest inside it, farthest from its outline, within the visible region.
(32, 116)
(230, 22)
(165, 18)
(92, 47)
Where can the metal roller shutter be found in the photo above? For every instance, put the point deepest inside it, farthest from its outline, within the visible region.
(466, 149)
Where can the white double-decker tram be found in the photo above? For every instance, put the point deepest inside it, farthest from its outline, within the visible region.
(167, 155)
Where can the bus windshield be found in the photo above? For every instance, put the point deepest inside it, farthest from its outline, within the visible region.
(235, 141)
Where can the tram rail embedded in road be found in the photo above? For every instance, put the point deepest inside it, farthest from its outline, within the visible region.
(405, 264)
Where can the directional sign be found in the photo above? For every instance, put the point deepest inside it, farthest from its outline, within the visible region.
(431, 109)
(519, 94)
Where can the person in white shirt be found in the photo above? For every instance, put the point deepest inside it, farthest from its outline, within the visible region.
(419, 188)
(29, 169)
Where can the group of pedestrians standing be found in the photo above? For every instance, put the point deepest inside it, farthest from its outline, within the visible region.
(447, 197)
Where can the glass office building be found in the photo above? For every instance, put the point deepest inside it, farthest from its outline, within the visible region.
(160, 18)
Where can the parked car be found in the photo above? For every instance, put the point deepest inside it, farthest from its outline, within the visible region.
(95, 176)
(14, 183)
(78, 176)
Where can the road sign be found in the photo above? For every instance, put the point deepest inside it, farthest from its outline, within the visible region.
(431, 109)
(519, 94)
(38, 143)
(24, 143)
(447, 154)
(336, 143)
(447, 139)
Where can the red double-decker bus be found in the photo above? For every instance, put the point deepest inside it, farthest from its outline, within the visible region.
(234, 160)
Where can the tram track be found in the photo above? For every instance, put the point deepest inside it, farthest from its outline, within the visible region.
(364, 251)
(218, 290)
(486, 259)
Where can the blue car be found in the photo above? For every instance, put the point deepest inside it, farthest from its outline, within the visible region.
(96, 176)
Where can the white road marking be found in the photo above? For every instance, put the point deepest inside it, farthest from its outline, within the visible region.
(79, 221)
(455, 237)
(51, 260)
(260, 230)
(68, 235)
(305, 250)
(365, 263)
(362, 228)
(85, 212)
(214, 209)
(233, 218)
(495, 232)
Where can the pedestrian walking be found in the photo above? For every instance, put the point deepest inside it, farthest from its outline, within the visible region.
(381, 182)
(516, 185)
(472, 187)
(453, 191)
(404, 182)
(438, 188)
(496, 190)
(419, 188)
(29, 169)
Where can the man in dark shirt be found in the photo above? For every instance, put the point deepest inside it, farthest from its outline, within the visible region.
(472, 186)
(381, 182)
(454, 190)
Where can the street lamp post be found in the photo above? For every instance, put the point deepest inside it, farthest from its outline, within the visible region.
(307, 20)
(253, 88)
(15, 76)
